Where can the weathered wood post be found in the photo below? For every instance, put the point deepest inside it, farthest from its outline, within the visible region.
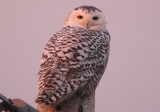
(77, 103)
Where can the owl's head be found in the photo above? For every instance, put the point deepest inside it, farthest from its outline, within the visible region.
(88, 17)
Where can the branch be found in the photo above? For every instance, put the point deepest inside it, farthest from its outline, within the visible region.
(15, 105)
(77, 103)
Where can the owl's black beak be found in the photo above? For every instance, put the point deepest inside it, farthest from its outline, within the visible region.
(87, 25)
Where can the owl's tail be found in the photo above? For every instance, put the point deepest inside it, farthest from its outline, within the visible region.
(44, 98)
(44, 105)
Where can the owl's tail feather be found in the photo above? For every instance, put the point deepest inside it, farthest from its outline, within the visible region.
(45, 103)
(44, 98)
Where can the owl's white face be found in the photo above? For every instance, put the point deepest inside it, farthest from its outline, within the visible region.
(93, 20)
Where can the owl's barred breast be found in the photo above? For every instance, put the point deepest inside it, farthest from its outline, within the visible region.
(73, 60)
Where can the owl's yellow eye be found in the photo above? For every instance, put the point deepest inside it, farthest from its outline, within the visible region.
(80, 17)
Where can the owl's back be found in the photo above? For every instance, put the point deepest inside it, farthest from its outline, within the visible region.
(73, 60)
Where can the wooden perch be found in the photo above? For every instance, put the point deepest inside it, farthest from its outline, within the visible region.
(15, 105)
(77, 103)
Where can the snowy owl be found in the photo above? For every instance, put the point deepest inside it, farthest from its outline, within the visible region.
(75, 58)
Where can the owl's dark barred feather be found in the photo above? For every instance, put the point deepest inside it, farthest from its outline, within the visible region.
(73, 60)
(88, 9)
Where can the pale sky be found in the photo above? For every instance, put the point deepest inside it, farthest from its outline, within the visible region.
(131, 82)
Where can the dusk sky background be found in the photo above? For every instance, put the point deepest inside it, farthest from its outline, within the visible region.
(131, 82)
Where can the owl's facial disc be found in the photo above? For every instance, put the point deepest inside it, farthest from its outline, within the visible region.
(94, 20)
